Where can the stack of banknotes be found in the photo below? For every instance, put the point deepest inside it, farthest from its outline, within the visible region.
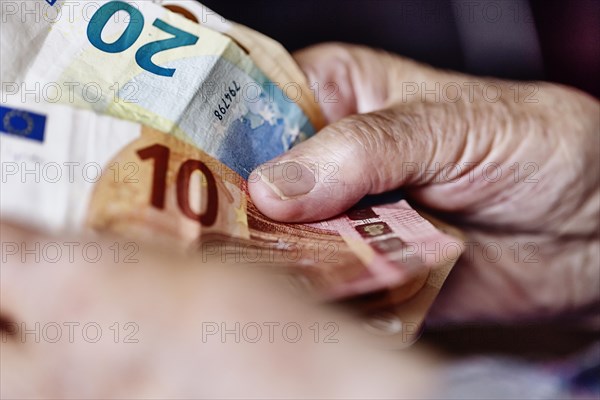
(145, 119)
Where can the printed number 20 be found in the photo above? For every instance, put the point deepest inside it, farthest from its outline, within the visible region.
(132, 33)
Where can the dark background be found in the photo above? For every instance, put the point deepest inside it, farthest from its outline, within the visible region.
(568, 32)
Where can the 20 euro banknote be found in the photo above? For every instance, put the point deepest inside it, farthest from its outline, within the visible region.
(139, 61)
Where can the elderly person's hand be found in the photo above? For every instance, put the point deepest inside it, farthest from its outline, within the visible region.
(114, 319)
(515, 165)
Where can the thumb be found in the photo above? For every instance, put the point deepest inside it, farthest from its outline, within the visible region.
(358, 155)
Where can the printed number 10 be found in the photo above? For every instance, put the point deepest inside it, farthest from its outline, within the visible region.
(160, 154)
(132, 33)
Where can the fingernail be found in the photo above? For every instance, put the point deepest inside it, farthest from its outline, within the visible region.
(288, 179)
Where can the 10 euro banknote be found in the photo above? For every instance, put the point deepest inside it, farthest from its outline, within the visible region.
(72, 169)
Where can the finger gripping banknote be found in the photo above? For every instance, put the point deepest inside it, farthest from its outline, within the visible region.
(145, 121)
(72, 169)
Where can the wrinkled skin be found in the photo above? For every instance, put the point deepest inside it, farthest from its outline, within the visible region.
(526, 191)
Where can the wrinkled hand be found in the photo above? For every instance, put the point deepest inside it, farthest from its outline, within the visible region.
(514, 165)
